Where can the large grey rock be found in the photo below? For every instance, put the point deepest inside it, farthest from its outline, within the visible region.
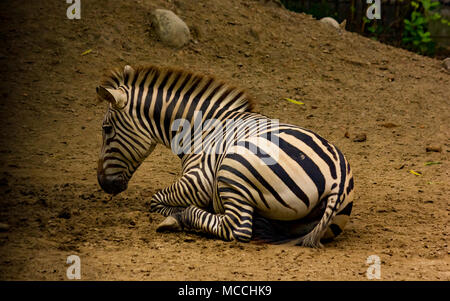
(333, 22)
(446, 63)
(170, 28)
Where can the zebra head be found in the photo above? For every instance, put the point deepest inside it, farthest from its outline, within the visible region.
(125, 143)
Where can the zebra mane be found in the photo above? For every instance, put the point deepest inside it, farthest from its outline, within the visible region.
(117, 77)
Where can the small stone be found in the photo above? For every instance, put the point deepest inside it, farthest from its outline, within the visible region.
(170, 28)
(42, 201)
(255, 33)
(434, 148)
(3, 182)
(360, 137)
(4, 227)
(65, 213)
(389, 125)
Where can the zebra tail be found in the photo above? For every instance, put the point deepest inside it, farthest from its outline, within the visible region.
(312, 239)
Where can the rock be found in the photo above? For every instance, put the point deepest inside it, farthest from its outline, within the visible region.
(389, 125)
(333, 22)
(4, 227)
(360, 137)
(65, 213)
(446, 64)
(196, 32)
(170, 28)
(255, 33)
(3, 182)
(434, 148)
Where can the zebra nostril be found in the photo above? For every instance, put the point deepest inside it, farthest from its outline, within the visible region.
(120, 184)
(112, 185)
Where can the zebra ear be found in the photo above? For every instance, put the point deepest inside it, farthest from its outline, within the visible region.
(116, 97)
(128, 70)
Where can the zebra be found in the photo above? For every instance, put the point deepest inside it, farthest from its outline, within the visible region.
(256, 180)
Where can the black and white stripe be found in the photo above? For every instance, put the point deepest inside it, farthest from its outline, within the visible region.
(227, 187)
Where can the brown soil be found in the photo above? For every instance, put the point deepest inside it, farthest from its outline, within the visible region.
(51, 135)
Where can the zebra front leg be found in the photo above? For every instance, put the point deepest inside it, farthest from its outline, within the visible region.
(161, 204)
(234, 224)
(181, 194)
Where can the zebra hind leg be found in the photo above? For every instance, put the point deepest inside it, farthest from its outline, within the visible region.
(300, 232)
(278, 232)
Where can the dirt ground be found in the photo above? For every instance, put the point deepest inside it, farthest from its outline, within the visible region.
(50, 138)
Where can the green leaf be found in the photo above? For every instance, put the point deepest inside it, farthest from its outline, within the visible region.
(420, 20)
(294, 101)
(435, 5)
(435, 16)
(432, 163)
(424, 34)
(406, 40)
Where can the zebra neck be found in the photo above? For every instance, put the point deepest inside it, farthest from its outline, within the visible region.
(169, 101)
(184, 127)
(173, 118)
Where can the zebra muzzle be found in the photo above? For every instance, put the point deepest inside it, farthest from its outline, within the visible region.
(111, 184)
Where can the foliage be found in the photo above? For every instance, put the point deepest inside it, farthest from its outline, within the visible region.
(415, 34)
(409, 28)
(318, 9)
(374, 28)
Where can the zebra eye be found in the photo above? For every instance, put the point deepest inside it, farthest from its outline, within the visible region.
(107, 129)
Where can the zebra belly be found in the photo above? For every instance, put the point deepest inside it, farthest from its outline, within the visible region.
(282, 179)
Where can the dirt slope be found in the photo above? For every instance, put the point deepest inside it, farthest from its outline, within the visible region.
(50, 138)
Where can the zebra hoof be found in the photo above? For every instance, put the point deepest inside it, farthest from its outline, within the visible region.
(169, 224)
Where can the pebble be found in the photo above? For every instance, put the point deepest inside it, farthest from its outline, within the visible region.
(65, 213)
(360, 137)
(4, 227)
(389, 125)
(434, 148)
